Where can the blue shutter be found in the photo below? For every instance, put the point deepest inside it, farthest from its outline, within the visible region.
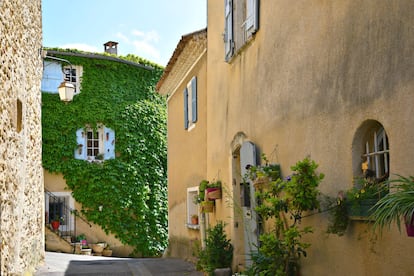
(194, 99)
(80, 151)
(185, 108)
(109, 143)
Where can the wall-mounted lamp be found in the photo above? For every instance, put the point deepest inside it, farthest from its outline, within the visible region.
(66, 89)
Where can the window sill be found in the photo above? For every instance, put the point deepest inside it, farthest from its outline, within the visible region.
(193, 226)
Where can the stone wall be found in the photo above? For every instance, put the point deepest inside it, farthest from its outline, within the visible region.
(21, 174)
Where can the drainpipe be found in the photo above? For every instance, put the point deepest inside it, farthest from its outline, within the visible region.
(203, 230)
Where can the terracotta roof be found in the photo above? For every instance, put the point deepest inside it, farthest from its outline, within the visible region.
(182, 44)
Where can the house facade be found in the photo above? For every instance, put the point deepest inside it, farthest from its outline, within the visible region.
(21, 174)
(332, 81)
(90, 154)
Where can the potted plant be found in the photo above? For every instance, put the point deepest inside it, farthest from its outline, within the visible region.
(363, 196)
(194, 219)
(207, 206)
(262, 175)
(107, 252)
(213, 190)
(396, 206)
(55, 223)
(218, 251)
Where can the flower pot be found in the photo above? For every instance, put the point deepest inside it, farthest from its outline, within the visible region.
(98, 247)
(361, 209)
(107, 252)
(213, 193)
(207, 206)
(194, 220)
(409, 226)
(261, 183)
(55, 224)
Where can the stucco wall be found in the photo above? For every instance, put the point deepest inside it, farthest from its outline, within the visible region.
(55, 183)
(312, 75)
(186, 161)
(21, 177)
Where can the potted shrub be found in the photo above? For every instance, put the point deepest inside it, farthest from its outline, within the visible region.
(218, 251)
(396, 206)
(361, 198)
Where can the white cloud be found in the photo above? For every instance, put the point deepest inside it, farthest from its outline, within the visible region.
(81, 46)
(144, 44)
(123, 37)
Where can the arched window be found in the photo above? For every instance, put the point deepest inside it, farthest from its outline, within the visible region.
(371, 156)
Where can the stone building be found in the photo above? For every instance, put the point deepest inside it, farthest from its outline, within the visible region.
(21, 173)
(332, 80)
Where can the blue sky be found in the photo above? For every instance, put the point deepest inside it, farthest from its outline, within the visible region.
(150, 29)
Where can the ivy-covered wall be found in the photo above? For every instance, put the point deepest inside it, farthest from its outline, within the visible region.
(132, 187)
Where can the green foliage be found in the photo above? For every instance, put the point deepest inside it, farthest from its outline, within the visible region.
(338, 216)
(218, 252)
(132, 187)
(395, 206)
(282, 203)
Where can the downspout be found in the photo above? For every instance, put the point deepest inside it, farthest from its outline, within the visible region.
(203, 229)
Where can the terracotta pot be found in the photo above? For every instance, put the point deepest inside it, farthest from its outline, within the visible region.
(55, 224)
(194, 220)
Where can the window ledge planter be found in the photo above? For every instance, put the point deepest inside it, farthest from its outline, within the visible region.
(213, 193)
(360, 210)
(207, 206)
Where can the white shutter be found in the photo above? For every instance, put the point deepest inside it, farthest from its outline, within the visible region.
(252, 17)
(109, 143)
(80, 151)
(228, 32)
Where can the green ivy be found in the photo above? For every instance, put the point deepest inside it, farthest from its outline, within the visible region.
(132, 187)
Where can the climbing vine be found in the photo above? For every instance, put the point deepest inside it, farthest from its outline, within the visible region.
(126, 196)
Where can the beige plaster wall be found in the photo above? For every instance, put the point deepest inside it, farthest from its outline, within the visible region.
(186, 161)
(21, 177)
(93, 232)
(312, 75)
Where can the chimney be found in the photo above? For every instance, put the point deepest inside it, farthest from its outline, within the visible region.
(111, 47)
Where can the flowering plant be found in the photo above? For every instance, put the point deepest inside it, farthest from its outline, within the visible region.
(365, 188)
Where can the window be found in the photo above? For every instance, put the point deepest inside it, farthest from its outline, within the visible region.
(95, 144)
(241, 23)
(190, 104)
(59, 206)
(371, 156)
(192, 208)
(376, 156)
(73, 76)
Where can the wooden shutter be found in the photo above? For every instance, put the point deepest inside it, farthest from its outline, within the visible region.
(194, 99)
(252, 17)
(228, 31)
(109, 143)
(80, 151)
(185, 94)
